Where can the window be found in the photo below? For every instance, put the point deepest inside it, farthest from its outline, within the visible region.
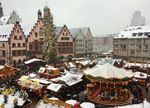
(20, 37)
(140, 34)
(24, 52)
(64, 38)
(24, 44)
(13, 53)
(132, 52)
(146, 46)
(4, 54)
(30, 46)
(3, 44)
(36, 34)
(15, 37)
(19, 52)
(19, 45)
(134, 34)
(13, 45)
(17, 31)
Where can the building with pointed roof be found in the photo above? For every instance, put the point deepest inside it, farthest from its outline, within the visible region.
(79, 42)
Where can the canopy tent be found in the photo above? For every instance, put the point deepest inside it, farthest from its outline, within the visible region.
(108, 71)
(87, 105)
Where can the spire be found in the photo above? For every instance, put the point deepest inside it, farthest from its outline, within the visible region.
(1, 10)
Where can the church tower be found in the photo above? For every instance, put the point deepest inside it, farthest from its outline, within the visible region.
(39, 14)
(1, 10)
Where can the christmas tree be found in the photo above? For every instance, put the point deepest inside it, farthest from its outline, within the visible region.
(49, 44)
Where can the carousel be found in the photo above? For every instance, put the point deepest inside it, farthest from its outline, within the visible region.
(108, 85)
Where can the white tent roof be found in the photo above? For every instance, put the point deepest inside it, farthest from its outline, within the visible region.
(87, 105)
(108, 71)
(140, 75)
(33, 60)
(71, 102)
(54, 87)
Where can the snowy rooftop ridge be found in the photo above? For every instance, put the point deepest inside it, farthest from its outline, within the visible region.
(134, 32)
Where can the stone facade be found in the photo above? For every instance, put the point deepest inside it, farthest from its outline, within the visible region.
(79, 42)
(65, 42)
(13, 44)
(133, 42)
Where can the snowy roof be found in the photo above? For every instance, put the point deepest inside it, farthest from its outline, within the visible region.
(140, 75)
(134, 32)
(75, 31)
(33, 60)
(84, 30)
(87, 105)
(108, 71)
(69, 79)
(58, 30)
(72, 65)
(141, 65)
(5, 31)
(54, 87)
(41, 70)
(71, 102)
(106, 60)
(1, 66)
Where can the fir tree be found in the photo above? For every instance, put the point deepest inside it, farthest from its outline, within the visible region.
(49, 44)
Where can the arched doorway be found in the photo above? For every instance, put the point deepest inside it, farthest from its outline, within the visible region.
(19, 61)
(14, 63)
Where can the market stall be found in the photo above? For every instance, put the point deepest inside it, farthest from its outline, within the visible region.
(109, 85)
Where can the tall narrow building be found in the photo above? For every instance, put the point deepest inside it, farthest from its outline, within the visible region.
(1, 10)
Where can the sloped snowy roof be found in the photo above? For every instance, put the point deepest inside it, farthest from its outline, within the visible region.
(69, 79)
(84, 30)
(54, 87)
(140, 75)
(75, 31)
(5, 31)
(108, 71)
(57, 30)
(33, 60)
(130, 30)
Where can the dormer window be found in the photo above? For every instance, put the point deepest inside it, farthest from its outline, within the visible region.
(139, 28)
(15, 37)
(140, 34)
(134, 34)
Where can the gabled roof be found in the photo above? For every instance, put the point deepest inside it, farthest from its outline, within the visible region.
(84, 30)
(75, 31)
(58, 30)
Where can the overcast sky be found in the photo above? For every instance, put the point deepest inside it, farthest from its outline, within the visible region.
(102, 16)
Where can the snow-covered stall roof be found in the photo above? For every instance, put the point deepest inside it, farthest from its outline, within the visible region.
(54, 87)
(108, 71)
(140, 75)
(134, 32)
(33, 60)
(141, 65)
(69, 79)
(1, 66)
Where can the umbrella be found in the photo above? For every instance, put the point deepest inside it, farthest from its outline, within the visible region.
(87, 105)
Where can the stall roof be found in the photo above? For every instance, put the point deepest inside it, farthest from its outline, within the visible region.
(33, 60)
(54, 87)
(108, 71)
(69, 79)
(140, 75)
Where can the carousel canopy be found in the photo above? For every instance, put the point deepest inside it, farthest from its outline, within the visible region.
(108, 71)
